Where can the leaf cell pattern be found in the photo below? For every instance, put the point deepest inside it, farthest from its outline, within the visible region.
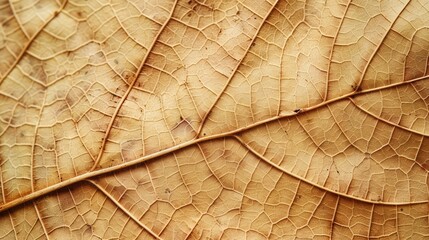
(213, 119)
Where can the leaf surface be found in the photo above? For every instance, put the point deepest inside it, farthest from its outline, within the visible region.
(214, 119)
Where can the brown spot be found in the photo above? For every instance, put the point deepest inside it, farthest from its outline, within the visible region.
(116, 61)
(88, 228)
(79, 14)
(127, 76)
(167, 190)
(133, 98)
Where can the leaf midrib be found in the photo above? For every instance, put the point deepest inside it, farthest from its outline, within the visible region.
(196, 140)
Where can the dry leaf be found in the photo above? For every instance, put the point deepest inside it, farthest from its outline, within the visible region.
(214, 119)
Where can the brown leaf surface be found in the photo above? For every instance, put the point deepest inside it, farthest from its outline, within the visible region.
(214, 119)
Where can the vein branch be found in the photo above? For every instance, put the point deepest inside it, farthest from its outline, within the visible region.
(234, 71)
(378, 48)
(386, 121)
(317, 185)
(135, 77)
(119, 205)
(27, 46)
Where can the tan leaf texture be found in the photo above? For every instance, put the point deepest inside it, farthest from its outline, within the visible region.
(209, 119)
